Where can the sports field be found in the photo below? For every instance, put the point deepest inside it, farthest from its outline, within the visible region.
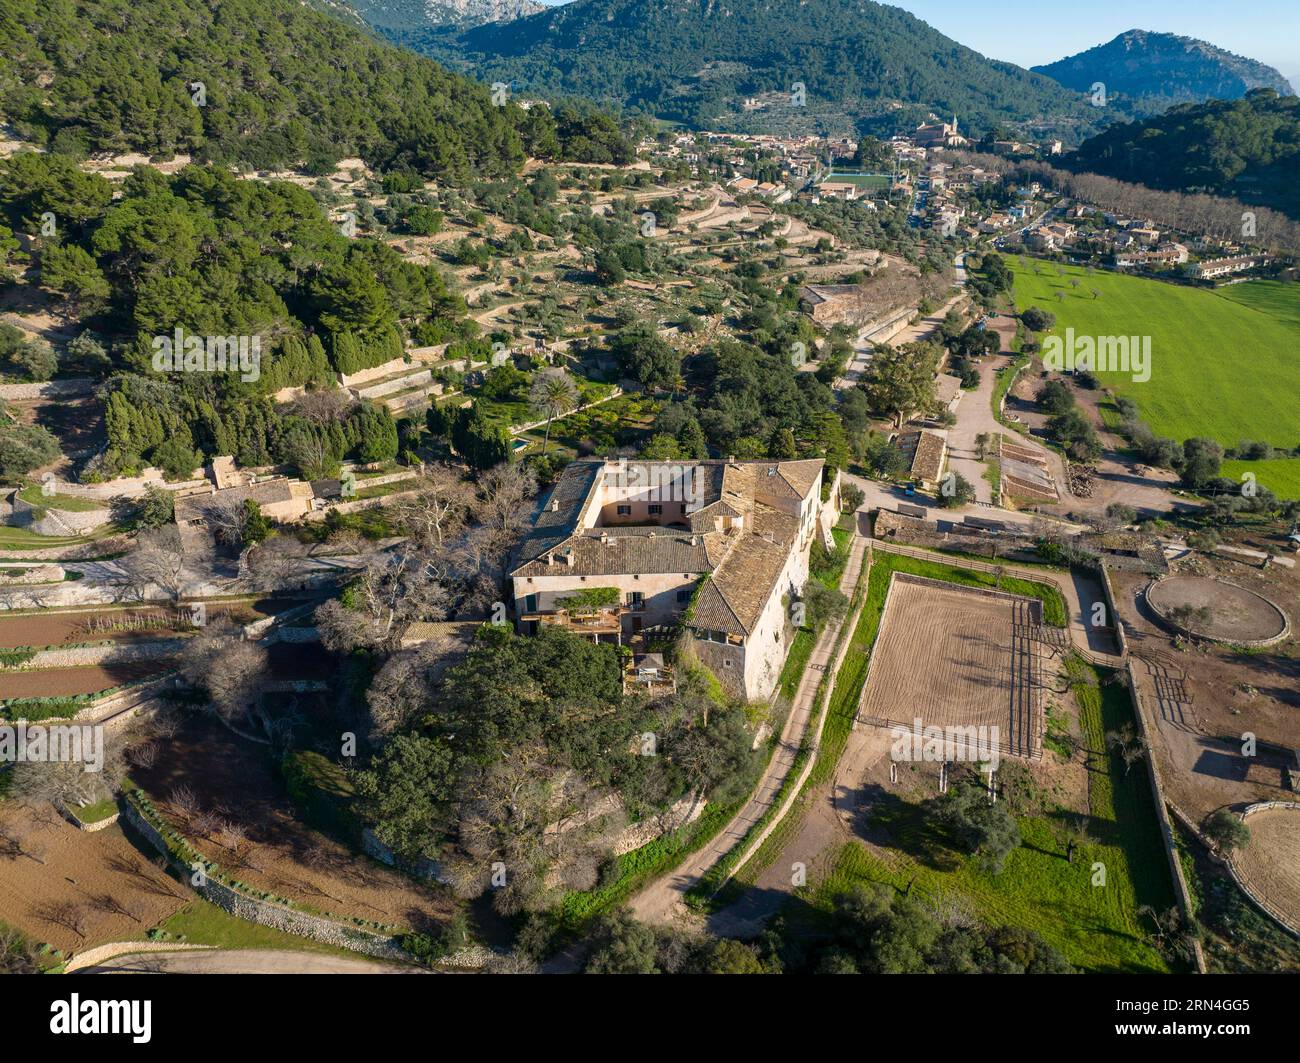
(872, 181)
(1224, 363)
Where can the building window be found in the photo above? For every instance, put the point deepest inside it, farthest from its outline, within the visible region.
(726, 662)
(530, 603)
(656, 510)
(624, 511)
(636, 600)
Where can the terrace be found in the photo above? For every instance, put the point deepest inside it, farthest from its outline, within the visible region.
(646, 673)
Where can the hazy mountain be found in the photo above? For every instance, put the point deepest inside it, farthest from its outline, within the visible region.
(397, 16)
(863, 64)
(1145, 73)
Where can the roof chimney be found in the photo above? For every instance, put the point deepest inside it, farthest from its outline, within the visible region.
(555, 505)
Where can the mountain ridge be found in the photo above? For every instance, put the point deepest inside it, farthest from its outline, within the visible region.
(1146, 72)
(694, 61)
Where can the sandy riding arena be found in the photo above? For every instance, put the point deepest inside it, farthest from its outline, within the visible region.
(958, 657)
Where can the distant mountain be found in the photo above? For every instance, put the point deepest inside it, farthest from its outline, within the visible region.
(734, 64)
(1248, 148)
(1146, 73)
(399, 16)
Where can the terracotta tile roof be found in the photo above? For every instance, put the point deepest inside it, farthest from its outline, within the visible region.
(631, 550)
(925, 452)
(733, 599)
(745, 564)
(192, 507)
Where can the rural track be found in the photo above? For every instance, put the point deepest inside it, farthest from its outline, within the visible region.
(660, 901)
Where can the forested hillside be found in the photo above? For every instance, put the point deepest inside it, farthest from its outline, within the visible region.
(261, 83)
(1247, 148)
(696, 60)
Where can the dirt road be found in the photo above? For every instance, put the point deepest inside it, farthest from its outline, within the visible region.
(242, 961)
(660, 901)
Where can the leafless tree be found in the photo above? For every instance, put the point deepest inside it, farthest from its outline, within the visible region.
(232, 671)
(155, 560)
(72, 782)
(541, 823)
(438, 508)
(1130, 746)
(225, 514)
(324, 405)
(407, 683)
(406, 584)
(183, 800)
(276, 563)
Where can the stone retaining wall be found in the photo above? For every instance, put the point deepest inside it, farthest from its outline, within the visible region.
(116, 652)
(1181, 892)
(268, 913)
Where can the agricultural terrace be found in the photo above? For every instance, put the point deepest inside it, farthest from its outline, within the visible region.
(1222, 363)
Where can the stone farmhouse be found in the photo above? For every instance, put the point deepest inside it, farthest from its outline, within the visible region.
(620, 548)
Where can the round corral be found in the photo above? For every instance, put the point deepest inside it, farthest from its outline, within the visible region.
(1269, 865)
(1217, 610)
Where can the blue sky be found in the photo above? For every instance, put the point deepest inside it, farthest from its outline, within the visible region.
(1029, 32)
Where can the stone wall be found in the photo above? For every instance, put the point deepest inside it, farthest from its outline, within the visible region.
(1181, 892)
(99, 653)
(268, 913)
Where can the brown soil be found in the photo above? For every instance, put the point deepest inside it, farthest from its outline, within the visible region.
(951, 657)
(66, 887)
(1205, 697)
(1235, 613)
(1270, 864)
(83, 679)
(64, 628)
(234, 780)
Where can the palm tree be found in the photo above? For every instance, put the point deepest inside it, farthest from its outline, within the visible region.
(553, 394)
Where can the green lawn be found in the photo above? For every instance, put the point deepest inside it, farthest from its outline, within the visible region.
(96, 811)
(1223, 364)
(203, 923)
(1279, 475)
(1096, 927)
(70, 503)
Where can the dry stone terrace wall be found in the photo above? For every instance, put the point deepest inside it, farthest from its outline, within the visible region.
(263, 912)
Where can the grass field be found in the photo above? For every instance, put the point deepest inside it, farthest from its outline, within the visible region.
(872, 181)
(1223, 364)
(34, 494)
(1097, 928)
(1279, 475)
